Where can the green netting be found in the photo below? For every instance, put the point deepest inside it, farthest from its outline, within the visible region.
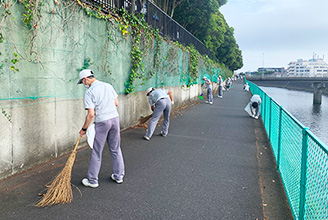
(316, 206)
(275, 125)
(290, 159)
(301, 157)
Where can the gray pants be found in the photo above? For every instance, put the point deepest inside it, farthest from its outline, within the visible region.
(109, 131)
(220, 91)
(161, 106)
(209, 95)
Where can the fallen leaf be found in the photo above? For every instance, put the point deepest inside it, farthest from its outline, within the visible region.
(56, 2)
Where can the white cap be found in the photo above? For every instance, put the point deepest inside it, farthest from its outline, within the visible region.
(204, 77)
(84, 73)
(149, 90)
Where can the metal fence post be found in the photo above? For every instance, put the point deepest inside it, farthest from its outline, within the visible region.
(264, 109)
(279, 137)
(303, 173)
(270, 116)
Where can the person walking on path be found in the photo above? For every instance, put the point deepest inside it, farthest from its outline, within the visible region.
(209, 87)
(220, 89)
(255, 106)
(100, 100)
(160, 101)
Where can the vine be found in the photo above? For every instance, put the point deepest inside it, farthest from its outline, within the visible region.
(6, 115)
(86, 64)
(138, 27)
(193, 65)
(14, 61)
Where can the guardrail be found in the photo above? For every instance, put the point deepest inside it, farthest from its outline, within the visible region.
(302, 159)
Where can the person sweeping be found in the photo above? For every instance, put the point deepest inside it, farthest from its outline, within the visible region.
(209, 87)
(100, 100)
(160, 101)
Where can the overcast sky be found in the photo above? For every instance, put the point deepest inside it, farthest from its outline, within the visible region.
(275, 32)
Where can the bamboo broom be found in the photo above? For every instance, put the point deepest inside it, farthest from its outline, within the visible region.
(143, 120)
(60, 190)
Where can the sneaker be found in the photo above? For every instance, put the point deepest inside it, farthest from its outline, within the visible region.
(146, 138)
(220, 97)
(162, 133)
(256, 117)
(206, 101)
(116, 180)
(86, 182)
(211, 103)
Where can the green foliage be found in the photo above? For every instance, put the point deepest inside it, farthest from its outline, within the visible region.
(168, 6)
(86, 64)
(213, 30)
(190, 12)
(138, 27)
(6, 115)
(193, 65)
(32, 10)
(14, 61)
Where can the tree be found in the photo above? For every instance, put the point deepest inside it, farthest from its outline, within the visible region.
(195, 16)
(168, 6)
(204, 20)
(222, 2)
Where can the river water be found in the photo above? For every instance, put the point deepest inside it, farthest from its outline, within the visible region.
(300, 105)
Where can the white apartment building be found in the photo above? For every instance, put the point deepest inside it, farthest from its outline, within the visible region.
(315, 67)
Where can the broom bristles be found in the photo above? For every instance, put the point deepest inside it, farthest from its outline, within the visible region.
(143, 120)
(60, 190)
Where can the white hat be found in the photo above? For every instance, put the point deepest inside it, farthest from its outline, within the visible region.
(84, 73)
(204, 77)
(149, 90)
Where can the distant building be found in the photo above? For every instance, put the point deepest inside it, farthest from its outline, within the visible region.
(273, 71)
(315, 67)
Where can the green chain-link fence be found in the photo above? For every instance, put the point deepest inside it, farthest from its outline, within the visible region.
(302, 159)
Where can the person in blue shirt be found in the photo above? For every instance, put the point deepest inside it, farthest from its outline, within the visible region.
(100, 100)
(160, 101)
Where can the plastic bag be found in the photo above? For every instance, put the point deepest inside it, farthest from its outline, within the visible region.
(91, 133)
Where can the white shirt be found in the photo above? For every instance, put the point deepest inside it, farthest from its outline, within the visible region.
(156, 95)
(209, 86)
(220, 81)
(101, 97)
(256, 98)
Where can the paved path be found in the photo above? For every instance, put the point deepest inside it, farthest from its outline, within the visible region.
(214, 164)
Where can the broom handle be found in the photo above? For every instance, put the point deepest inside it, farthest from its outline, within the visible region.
(77, 143)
